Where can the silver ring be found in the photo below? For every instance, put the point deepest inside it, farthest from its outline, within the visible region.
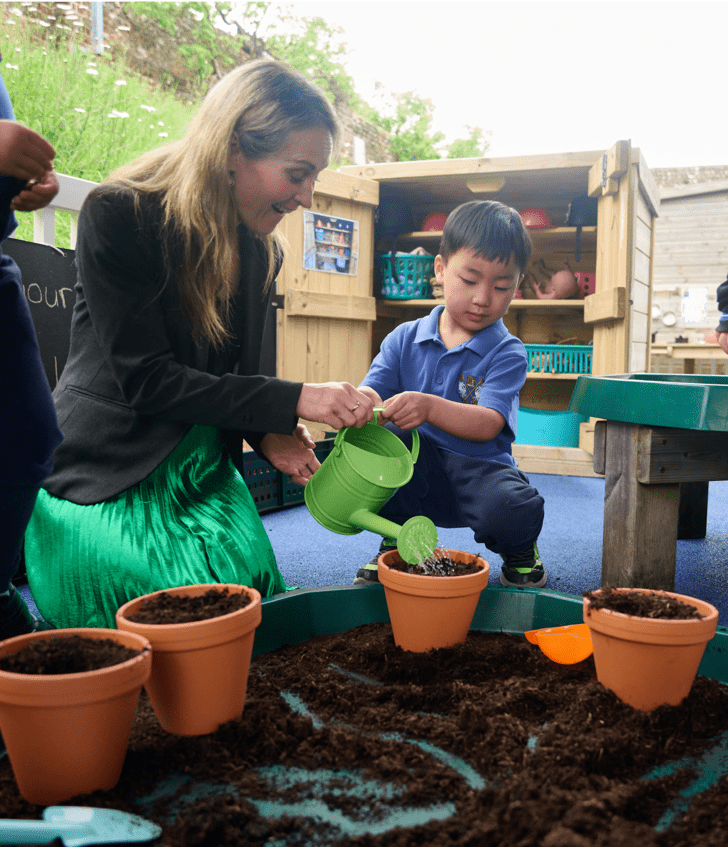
(356, 407)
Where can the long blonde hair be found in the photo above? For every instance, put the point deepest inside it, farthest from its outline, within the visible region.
(261, 102)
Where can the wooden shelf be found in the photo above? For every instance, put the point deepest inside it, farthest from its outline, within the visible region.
(392, 308)
(556, 238)
(541, 375)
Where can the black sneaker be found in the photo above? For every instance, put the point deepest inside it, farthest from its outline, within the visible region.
(368, 575)
(523, 570)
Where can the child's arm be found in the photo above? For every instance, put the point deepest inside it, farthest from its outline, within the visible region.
(26, 155)
(471, 423)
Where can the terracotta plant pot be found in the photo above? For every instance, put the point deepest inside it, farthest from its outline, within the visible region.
(428, 612)
(200, 670)
(649, 662)
(67, 734)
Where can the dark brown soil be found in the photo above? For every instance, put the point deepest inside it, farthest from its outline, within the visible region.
(435, 565)
(641, 604)
(168, 608)
(346, 740)
(67, 654)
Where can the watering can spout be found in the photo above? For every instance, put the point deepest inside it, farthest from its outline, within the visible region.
(416, 538)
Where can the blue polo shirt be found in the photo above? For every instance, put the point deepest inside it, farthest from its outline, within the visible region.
(487, 370)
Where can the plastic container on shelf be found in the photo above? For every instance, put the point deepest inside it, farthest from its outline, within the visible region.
(559, 358)
(547, 427)
(411, 279)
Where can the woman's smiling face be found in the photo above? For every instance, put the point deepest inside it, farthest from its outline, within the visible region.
(267, 189)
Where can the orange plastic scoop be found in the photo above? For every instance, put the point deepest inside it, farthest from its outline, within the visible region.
(566, 645)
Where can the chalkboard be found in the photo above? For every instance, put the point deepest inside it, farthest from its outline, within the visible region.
(49, 278)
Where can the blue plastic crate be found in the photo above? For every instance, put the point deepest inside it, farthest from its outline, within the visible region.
(559, 358)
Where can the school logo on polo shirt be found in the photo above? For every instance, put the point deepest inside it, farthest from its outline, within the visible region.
(469, 389)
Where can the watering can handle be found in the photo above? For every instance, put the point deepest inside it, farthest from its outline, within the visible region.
(415, 445)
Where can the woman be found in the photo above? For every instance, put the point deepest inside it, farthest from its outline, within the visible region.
(176, 254)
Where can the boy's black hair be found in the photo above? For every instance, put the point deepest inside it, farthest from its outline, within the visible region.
(488, 228)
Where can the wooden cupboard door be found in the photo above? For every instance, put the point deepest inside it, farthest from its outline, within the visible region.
(620, 307)
(325, 314)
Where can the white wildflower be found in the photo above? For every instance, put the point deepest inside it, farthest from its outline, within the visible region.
(120, 82)
(43, 23)
(148, 108)
(114, 113)
(163, 134)
(160, 123)
(79, 109)
(124, 28)
(12, 67)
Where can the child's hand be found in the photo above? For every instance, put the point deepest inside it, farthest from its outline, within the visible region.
(407, 410)
(37, 194)
(24, 153)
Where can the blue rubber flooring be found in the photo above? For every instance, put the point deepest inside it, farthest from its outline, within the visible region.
(570, 544)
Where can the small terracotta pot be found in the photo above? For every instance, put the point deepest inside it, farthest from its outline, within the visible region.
(200, 670)
(428, 612)
(67, 734)
(649, 662)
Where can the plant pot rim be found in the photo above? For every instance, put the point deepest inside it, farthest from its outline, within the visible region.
(198, 634)
(434, 585)
(58, 689)
(620, 624)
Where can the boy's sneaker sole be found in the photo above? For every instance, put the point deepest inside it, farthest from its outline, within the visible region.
(523, 570)
(535, 578)
(369, 574)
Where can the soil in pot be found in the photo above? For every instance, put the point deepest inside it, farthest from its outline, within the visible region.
(438, 564)
(67, 654)
(641, 604)
(172, 609)
(510, 748)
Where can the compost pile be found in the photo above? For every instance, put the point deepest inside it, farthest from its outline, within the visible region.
(347, 740)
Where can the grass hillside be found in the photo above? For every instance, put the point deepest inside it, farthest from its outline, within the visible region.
(95, 111)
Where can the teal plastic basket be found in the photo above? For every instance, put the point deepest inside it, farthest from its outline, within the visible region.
(411, 280)
(559, 358)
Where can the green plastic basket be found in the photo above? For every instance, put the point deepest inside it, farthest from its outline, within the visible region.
(559, 358)
(411, 279)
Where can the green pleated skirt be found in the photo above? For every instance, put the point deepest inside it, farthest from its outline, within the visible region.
(191, 521)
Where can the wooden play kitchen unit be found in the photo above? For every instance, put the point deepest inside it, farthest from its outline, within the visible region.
(615, 254)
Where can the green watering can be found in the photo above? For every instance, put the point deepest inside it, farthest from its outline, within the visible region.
(364, 469)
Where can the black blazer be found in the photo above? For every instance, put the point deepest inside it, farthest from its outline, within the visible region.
(135, 380)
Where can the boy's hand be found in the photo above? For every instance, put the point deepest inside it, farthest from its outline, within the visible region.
(723, 341)
(37, 194)
(24, 153)
(407, 410)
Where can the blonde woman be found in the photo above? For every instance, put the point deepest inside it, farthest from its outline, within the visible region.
(176, 254)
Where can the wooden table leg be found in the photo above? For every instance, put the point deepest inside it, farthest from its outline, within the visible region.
(640, 521)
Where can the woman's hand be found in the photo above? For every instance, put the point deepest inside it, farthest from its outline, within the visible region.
(336, 404)
(292, 454)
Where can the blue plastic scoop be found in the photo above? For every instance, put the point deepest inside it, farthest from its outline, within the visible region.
(77, 826)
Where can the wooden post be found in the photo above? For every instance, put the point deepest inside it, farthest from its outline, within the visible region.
(640, 521)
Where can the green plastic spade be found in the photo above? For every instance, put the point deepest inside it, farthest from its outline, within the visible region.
(364, 469)
(77, 826)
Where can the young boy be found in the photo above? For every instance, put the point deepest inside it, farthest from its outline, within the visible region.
(455, 375)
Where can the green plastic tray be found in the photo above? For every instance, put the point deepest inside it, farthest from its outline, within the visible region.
(299, 615)
(685, 401)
